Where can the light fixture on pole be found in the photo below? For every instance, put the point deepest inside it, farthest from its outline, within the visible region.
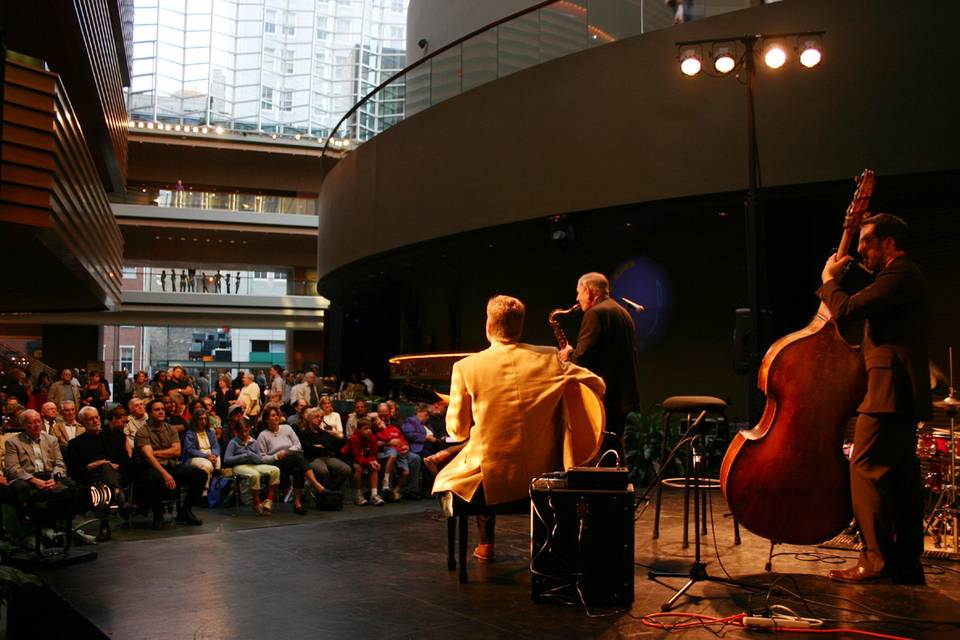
(727, 59)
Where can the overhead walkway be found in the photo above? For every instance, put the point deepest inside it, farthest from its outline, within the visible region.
(151, 308)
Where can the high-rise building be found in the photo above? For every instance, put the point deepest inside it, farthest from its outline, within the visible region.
(275, 66)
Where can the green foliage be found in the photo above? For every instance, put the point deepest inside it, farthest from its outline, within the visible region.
(643, 441)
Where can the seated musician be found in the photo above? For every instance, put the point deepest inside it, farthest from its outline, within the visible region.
(507, 401)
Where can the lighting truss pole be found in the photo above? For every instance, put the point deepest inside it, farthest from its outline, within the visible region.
(691, 53)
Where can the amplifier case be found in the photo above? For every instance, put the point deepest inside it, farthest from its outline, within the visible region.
(582, 537)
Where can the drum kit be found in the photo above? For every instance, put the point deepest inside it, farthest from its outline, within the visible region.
(938, 448)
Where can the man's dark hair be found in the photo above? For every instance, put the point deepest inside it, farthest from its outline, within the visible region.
(887, 225)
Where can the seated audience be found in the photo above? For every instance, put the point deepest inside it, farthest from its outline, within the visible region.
(397, 456)
(49, 416)
(98, 456)
(281, 447)
(363, 448)
(243, 456)
(331, 419)
(94, 393)
(158, 446)
(68, 428)
(177, 415)
(360, 410)
(33, 464)
(417, 432)
(320, 448)
(296, 418)
(138, 418)
(200, 446)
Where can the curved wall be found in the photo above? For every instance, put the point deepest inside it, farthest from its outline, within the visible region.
(618, 124)
(441, 21)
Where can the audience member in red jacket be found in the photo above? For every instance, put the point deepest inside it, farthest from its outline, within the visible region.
(363, 447)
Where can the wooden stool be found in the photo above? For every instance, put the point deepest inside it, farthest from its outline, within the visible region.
(462, 510)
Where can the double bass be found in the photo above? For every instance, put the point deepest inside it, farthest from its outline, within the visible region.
(787, 479)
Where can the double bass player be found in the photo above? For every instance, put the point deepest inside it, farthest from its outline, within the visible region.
(884, 471)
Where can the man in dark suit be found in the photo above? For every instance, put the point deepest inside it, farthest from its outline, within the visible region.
(606, 345)
(884, 471)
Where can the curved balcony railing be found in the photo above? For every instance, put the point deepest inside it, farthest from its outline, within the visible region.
(538, 34)
(220, 201)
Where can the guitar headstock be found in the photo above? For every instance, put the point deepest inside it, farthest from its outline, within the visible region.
(857, 210)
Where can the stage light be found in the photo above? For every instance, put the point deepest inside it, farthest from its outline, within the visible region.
(723, 60)
(775, 57)
(810, 53)
(219, 129)
(690, 63)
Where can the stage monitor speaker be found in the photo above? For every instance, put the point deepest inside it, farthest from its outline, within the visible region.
(582, 539)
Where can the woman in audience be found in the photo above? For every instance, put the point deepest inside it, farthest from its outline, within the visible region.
(331, 422)
(243, 456)
(94, 393)
(249, 397)
(141, 388)
(281, 447)
(320, 447)
(215, 421)
(224, 395)
(158, 381)
(200, 446)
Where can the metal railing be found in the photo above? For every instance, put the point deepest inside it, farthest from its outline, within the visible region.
(206, 280)
(220, 201)
(13, 357)
(538, 34)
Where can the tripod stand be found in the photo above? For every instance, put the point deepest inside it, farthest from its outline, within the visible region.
(691, 440)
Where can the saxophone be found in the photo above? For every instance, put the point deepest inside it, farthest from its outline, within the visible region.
(555, 325)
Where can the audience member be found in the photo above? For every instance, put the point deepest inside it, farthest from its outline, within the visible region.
(64, 389)
(200, 446)
(177, 415)
(308, 390)
(243, 456)
(177, 382)
(33, 464)
(320, 448)
(276, 384)
(95, 393)
(49, 416)
(360, 410)
(249, 397)
(159, 447)
(417, 434)
(138, 418)
(97, 456)
(224, 395)
(363, 448)
(397, 456)
(331, 419)
(281, 447)
(68, 428)
(295, 419)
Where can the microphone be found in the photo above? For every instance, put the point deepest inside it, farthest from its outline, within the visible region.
(639, 308)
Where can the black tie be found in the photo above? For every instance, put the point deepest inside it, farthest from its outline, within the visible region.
(313, 396)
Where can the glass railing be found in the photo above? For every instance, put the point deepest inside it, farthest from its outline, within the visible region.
(207, 279)
(541, 33)
(220, 201)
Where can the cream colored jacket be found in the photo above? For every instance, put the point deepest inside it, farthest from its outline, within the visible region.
(525, 413)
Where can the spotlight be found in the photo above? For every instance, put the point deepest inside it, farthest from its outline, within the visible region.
(690, 62)
(810, 53)
(219, 129)
(723, 60)
(775, 56)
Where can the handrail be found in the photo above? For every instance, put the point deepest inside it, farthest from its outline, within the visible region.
(431, 56)
(25, 358)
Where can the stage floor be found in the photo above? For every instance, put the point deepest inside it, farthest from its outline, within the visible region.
(380, 572)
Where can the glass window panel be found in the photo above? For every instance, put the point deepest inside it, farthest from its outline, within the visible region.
(518, 44)
(417, 97)
(480, 59)
(445, 76)
(563, 29)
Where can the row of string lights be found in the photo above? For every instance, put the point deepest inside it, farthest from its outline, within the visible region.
(160, 127)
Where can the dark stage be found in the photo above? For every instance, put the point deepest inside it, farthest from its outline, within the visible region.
(372, 572)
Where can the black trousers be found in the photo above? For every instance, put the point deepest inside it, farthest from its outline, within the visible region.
(295, 465)
(58, 501)
(887, 492)
(188, 477)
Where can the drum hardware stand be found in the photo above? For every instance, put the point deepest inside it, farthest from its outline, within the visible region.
(698, 571)
(944, 516)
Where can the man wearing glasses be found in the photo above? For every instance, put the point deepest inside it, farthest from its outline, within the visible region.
(884, 471)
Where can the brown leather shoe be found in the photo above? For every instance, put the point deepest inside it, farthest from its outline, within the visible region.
(484, 553)
(859, 574)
